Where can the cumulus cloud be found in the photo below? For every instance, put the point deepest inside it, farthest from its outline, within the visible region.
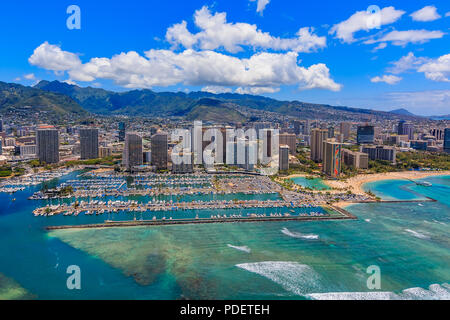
(363, 20)
(438, 69)
(433, 69)
(51, 57)
(407, 63)
(191, 67)
(389, 79)
(261, 5)
(447, 14)
(428, 13)
(402, 38)
(216, 33)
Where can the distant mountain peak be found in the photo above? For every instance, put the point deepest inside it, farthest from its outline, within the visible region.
(403, 112)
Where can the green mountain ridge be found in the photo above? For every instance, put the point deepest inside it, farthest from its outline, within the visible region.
(15, 95)
(62, 97)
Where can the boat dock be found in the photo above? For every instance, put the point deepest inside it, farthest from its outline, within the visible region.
(345, 215)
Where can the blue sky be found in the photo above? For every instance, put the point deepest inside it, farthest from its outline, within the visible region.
(324, 52)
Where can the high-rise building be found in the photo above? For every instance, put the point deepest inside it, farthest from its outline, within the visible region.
(330, 132)
(345, 129)
(89, 143)
(318, 136)
(122, 131)
(185, 166)
(332, 158)
(290, 140)
(406, 129)
(365, 134)
(1, 125)
(357, 160)
(47, 140)
(380, 153)
(132, 152)
(447, 140)
(284, 158)
(437, 133)
(160, 150)
(297, 127)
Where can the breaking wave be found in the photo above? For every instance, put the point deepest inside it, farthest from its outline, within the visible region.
(297, 278)
(434, 292)
(417, 234)
(243, 248)
(299, 235)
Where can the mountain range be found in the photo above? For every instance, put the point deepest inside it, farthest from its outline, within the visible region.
(62, 97)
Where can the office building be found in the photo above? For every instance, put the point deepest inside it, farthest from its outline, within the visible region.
(122, 131)
(365, 134)
(345, 129)
(447, 140)
(47, 139)
(332, 158)
(284, 158)
(159, 150)
(89, 143)
(132, 152)
(318, 136)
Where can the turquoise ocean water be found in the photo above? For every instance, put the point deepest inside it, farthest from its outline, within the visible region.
(316, 183)
(409, 242)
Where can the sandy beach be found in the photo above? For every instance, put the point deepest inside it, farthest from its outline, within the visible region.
(355, 184)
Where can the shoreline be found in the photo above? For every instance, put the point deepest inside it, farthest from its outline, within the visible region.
(356, 184)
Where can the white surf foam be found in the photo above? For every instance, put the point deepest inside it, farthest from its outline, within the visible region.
(294, 277)
(368, 220)
(434, 292)
(243, 248)
(417, 234)
(299, 235)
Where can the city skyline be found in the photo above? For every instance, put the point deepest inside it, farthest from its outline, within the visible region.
(404, 64)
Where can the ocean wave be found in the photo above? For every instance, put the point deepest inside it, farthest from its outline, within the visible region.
(297, 278)
(299, 235)
(434, 292)
(243, 248)
(417, 234)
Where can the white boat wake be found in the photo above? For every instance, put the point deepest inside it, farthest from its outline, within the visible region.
(299, 235)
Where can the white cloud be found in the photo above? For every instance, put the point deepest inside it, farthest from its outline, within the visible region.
(256, 90)
(402, 38)
(389, 79)
(197, 68)
(216, 89)
(407, 63)
(381, 46)
(51, 57)
(447, 14)
(30, 76)
(261, 5)
(428, 13)
(438, 69)
(362, 20)
(216, 33)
